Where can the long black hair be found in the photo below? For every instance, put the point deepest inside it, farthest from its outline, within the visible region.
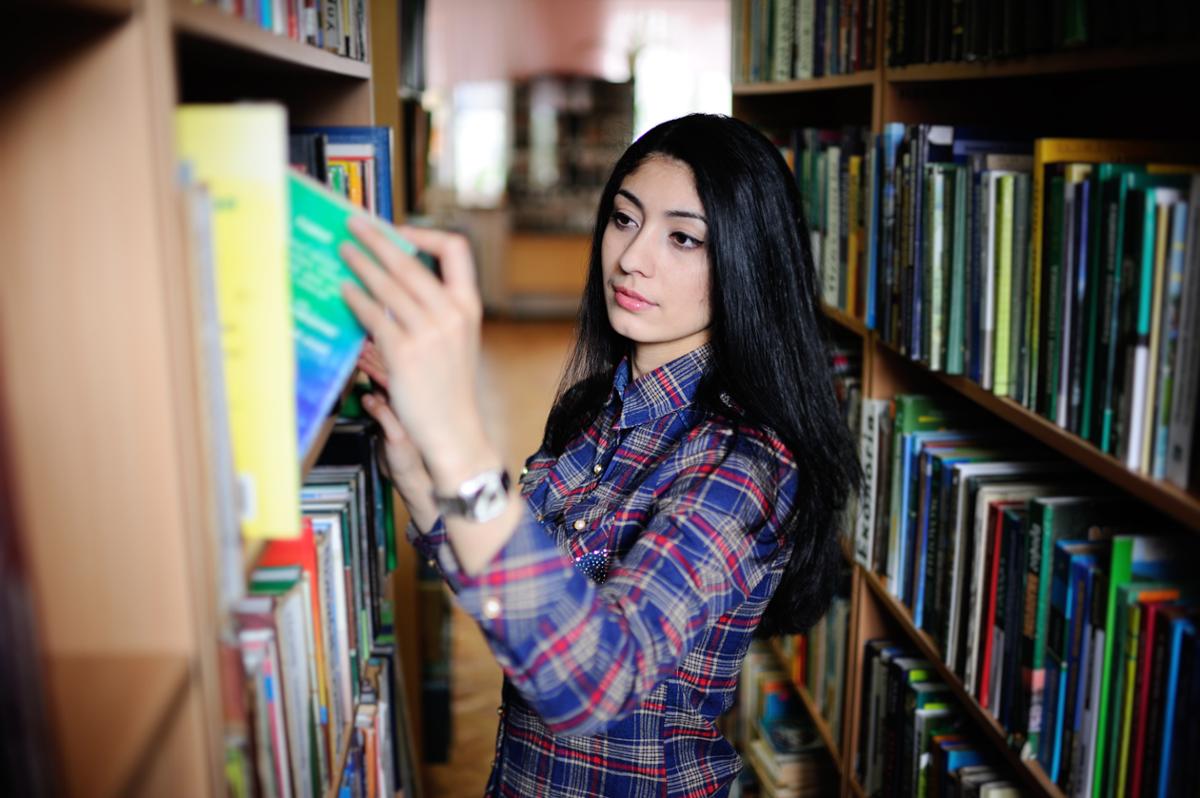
(768, 337)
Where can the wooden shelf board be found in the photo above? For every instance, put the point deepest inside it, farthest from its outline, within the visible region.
(845, 320)
(314, 452)
(1029, 771)
(211, 24)
(810, 706)
(830, 83)
(1179, 504)
(110, 711)
(1064, 63)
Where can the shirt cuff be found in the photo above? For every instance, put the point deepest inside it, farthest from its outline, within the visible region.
(430, 544)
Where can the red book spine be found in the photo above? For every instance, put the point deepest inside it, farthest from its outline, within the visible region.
(995, 537)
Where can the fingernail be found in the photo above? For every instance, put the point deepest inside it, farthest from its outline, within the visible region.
(369, 400)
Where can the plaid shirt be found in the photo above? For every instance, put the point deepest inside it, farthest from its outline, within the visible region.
(622, 606)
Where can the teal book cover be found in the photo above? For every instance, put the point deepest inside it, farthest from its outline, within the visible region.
(327, 335)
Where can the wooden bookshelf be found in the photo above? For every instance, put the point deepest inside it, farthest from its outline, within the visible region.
(210, 24)
(852, 80)
(101, 401)
(310, 457)
(845, 321)
(810, 706)
(112, 711)
(1171, 500)
(1101, 92)
(1029, 771)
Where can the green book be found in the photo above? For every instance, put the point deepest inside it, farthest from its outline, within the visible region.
(958, 277)
(1018, 345)
(1130, 600)
(1132, 557)
(1101, 297)
(1052, 295)
(1004, 262)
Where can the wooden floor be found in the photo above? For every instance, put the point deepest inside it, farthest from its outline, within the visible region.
(522, 362)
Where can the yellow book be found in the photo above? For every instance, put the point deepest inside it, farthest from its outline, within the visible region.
(853, 243)
(240, 153)
(354, 179)
(1162, 213)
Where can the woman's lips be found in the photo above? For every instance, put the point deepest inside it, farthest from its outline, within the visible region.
(631, 300)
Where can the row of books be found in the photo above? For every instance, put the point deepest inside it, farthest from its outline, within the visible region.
(971, 532)
(1062, 273)
(316, 640)
(932, 31)
(782, 748)
(309, 647)
(339, 26)
(915, 740)
(778, 40)
(356, 162)
(817, 660)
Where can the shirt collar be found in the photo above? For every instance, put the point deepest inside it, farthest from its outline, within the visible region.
(664, 390)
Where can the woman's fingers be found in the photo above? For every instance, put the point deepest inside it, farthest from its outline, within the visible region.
(372, 364)
(408, 272)
(381, 411)
(454, 254)
(383, 287)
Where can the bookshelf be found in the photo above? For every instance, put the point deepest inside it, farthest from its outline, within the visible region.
(810, 706)
(1105, 91)
(105, 445)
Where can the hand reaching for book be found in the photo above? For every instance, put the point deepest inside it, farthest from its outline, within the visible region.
(371, 363)
(426, 346)
(405, 467)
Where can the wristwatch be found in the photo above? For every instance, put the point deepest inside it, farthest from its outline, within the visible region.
(481, 498)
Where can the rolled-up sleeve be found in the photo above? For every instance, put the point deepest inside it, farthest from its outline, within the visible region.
(584, 655)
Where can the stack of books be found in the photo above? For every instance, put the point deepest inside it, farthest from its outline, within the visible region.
(914, 739)
(931, 31)
(1063, 274)
(802, 39)
(339, 26)
(776, 738)
(1017, 567)
(308, 643)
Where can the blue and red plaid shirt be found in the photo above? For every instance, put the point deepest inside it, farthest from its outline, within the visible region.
(622, 606)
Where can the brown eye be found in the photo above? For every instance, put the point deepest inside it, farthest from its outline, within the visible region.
(685, 241)
(622, 220)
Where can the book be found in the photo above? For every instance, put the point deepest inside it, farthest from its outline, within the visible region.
(238, 152)
(1181, 434)
(328, 337)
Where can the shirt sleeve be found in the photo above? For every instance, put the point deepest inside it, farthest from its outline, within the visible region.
(584, 655)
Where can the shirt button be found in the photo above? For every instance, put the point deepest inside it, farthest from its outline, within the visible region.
(524, 472)
(491, 609)
(500, 710)
(430, 562)
(579, 525)
(540, 517)
(598, 469)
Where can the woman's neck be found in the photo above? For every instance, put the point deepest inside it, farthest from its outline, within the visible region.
(647, 357)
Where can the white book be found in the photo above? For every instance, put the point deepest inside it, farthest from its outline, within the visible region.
(864, 541)
(783, 37)
(805, 39)
(1164, 198)
(987, 337)
(830, 245)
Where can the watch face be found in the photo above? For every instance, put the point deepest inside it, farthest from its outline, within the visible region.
(490, 502)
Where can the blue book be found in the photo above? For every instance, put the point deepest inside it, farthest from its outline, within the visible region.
(379, 139)
(874, 161)
(914, 445)
(1183, 639)
(1062, 616)
(893, 134)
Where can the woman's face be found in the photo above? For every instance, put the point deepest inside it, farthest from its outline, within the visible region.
(655, 263)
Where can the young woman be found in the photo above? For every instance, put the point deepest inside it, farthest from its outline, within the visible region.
(685, 492)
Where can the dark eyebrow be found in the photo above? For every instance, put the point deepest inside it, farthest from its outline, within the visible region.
(629, 195)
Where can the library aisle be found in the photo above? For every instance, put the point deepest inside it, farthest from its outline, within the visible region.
(522, 362)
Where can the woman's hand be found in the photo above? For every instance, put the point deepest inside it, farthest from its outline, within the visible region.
(426, 339)
(405, 467)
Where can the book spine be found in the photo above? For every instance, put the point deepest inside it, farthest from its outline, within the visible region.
(1169, 336)
(1180, 436)
(1018, 343)
(1004, 292)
